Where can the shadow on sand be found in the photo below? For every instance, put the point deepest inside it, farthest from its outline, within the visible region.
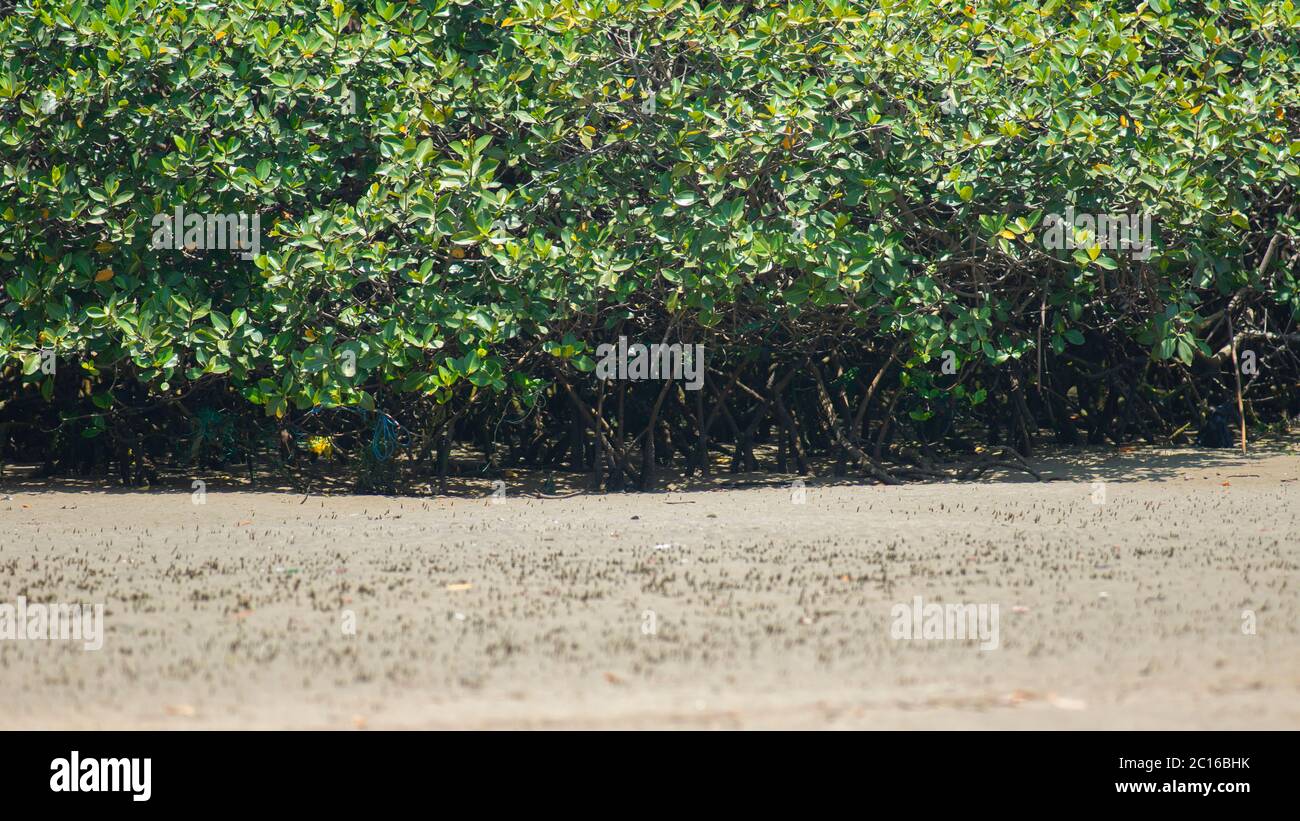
(1097, 463)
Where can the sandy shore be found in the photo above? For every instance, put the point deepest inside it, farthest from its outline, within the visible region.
(691, 608)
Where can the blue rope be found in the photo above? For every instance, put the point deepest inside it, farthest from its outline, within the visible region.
(383, 442)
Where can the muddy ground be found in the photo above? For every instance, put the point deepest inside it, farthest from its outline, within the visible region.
(1169, 603)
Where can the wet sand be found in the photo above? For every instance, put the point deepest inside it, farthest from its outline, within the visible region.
(697, 608)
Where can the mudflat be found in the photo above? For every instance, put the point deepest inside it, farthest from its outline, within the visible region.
(1152, 589)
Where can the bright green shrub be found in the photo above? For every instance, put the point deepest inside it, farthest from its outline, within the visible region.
(467, 197)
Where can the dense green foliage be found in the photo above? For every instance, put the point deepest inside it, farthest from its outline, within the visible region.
(465, 199)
